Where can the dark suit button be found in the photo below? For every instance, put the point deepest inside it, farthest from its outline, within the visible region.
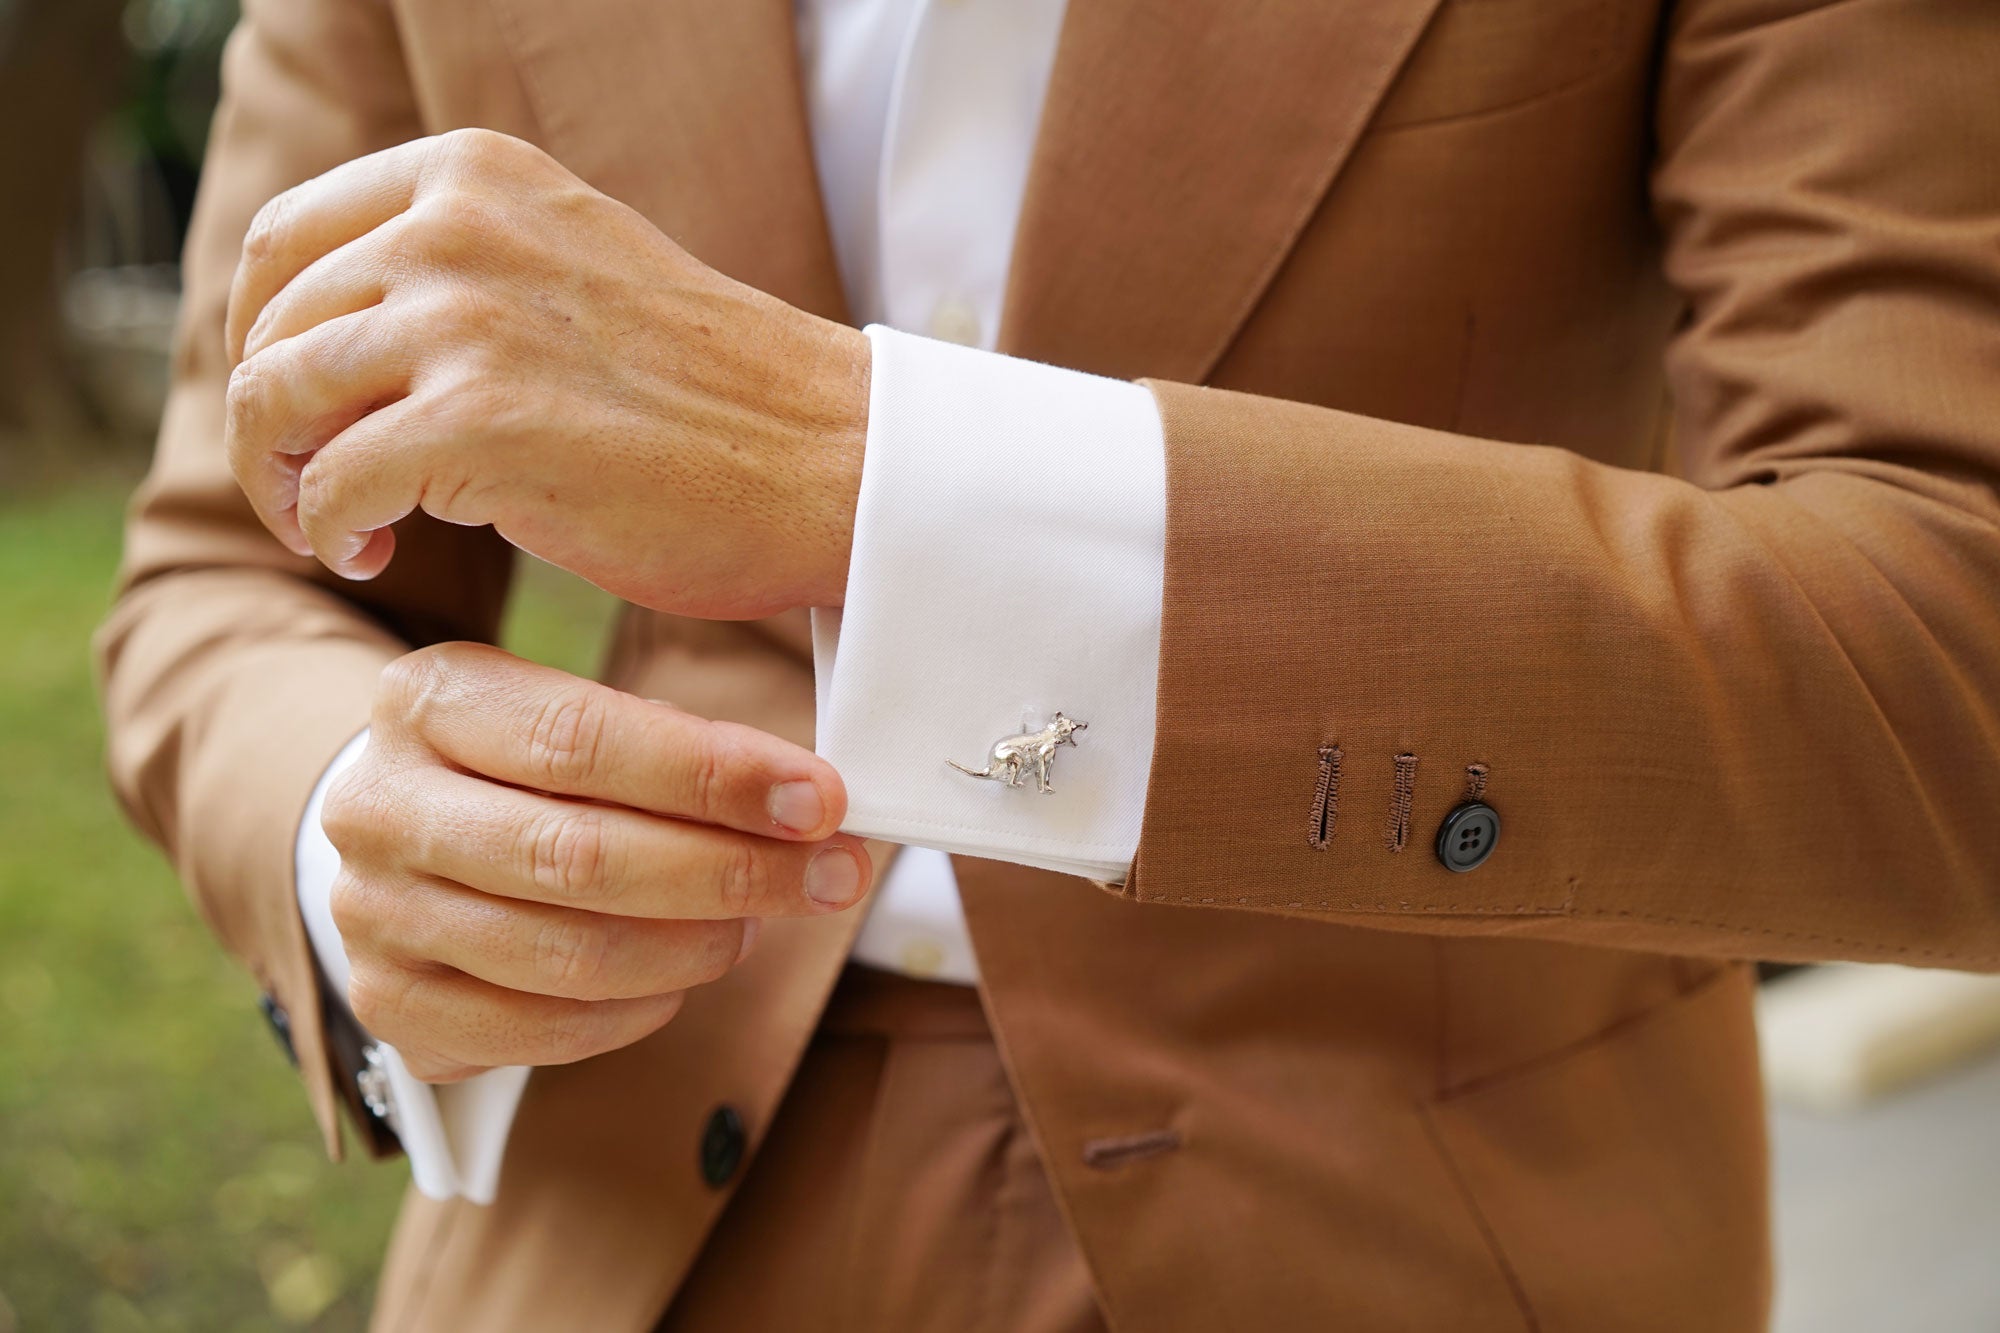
(1467, 836)
(281, 1025)
(722, 1145)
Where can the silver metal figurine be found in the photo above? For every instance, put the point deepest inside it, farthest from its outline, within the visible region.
(1009, 759)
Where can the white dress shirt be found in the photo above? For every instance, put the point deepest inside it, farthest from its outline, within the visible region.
(1009, 537)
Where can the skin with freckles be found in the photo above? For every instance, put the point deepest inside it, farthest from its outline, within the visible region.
(535, 868)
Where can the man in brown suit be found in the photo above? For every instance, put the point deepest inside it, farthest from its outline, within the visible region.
(1722, 645)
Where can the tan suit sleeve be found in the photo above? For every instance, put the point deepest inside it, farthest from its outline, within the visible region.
(232, 671)
(1751, 709)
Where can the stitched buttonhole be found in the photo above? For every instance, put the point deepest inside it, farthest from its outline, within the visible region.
(1104, 1154)
(1396, 835)
(1326, 798)
(1475, 782)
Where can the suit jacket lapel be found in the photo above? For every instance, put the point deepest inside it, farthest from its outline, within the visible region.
(1183, 147)
(691, 111)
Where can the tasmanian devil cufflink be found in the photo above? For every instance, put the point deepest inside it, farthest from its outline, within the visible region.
(1010, 758)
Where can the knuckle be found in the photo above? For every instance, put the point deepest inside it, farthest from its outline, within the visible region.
(566, 854)
(718, 952)
(711, 776)
(566, 738)
(245, 400)
(474, 142)
(743, 879)
(413, 688)
(575, 1032)
(353, 907)
(380, 998)
(470, 216)
(453, 219)
(349, 812)
(324, 489)
(267, 318)
(571, 957)
(267, 229)
(491, 151)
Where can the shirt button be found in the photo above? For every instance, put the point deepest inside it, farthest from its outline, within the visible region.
(955, 321)
(1467, 836)
(281, 1025)
(722, 1145)
(921, 958)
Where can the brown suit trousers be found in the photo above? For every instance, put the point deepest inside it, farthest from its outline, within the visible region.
(898, 1189)
(1596, 394)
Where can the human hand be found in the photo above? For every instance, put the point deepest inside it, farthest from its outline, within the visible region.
(534, 867)
(460, 325)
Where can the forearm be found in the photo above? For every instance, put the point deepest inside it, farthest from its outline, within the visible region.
(1744, 709)
(1738, 720)
(1749, 709)
(1753, 721)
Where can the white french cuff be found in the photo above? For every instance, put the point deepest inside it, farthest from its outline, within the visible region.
(455, 1136)
(1009, 544)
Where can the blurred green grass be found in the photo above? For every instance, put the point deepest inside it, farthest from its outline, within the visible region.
(159, 1169)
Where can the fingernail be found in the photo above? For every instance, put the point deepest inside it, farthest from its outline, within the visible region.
(797, 806)
(349, 551)
(751, 925)
(833, 879)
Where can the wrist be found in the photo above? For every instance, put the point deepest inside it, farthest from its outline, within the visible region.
(838, 445)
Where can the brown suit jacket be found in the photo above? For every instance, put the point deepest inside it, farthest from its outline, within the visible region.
(1733, 683)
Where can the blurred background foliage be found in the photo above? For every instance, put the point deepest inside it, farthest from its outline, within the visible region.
(107, 104)
(159, 1169)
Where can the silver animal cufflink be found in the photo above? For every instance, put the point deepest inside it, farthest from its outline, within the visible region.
(1010, 758)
